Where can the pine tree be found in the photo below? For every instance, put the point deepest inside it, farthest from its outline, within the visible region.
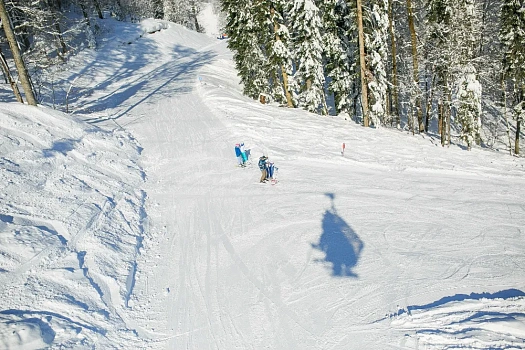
(468, 89)
(438, 19)
(513, 41)
(455, 32)
(340, 51)
(415, 65)
(468, 106)
(244, 40)
(265, 20)
(393, 55)
(280, 56)
(376, 34)
(308, 55)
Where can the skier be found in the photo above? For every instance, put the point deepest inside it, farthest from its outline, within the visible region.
(244, 155)
(263, 166)
(272, 173)
(238, 153)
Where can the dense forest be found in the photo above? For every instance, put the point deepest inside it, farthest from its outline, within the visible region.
(453, 68)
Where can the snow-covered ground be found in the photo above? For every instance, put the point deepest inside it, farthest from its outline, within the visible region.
(127, 224)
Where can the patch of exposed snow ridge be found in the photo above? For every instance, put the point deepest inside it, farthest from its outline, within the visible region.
(71, 226)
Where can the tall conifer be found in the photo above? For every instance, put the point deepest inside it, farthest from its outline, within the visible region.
(308, 55)
(340, 51)
(513, 40)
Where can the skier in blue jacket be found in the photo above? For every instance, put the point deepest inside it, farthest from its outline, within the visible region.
(238, 153)
(263, 166)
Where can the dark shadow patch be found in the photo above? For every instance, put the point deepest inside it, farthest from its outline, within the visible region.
(339, 242)
(23, 313)
(8, 219)
(504, 294)
(81, 259)
(53, 232)
(60, 146)
(74, 301)
(47, 333)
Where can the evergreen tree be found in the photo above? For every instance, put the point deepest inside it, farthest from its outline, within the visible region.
(266, 24)
(376, 34)
(439, 17)
(468, 106)
(415, 66)
(513, 40)
(280, 56)
(244, 40)
(340, 51)
(394, 89)
(455, 33)
(468, 89)
(308, 55)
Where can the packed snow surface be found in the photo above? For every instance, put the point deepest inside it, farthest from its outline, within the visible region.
(127, 223)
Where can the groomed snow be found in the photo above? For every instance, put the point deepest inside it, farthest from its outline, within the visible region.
(126, 224)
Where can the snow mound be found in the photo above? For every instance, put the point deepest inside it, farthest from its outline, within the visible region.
(71, 226)
(475, 321)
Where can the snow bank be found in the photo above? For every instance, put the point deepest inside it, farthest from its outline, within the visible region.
(71, 225)
(475, 321)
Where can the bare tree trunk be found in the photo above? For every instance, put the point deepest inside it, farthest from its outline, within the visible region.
(517, 140)
(10, 79)
(449, 118)
(197, 26)
(99, 11)
(54, 8)
(60, 39)
(355, 95)
(395, 102)
(444, 123)
(521, 100)
(362, 61)
(19, 61)
(446, 112)
(440, 120)
(413, 38)
(410, 120)
(194, 14)
(289, 101)
(504, 93)
(430, 97)
(85, 13)
(483, 23)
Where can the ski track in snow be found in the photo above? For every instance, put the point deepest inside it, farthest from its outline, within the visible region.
(398, 244)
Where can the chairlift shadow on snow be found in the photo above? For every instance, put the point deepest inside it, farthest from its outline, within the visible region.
(339, 242)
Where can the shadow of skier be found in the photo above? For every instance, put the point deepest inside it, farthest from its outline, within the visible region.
(339, 242)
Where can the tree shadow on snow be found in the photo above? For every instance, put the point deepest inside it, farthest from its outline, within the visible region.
(339, 242)
(162, 82)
